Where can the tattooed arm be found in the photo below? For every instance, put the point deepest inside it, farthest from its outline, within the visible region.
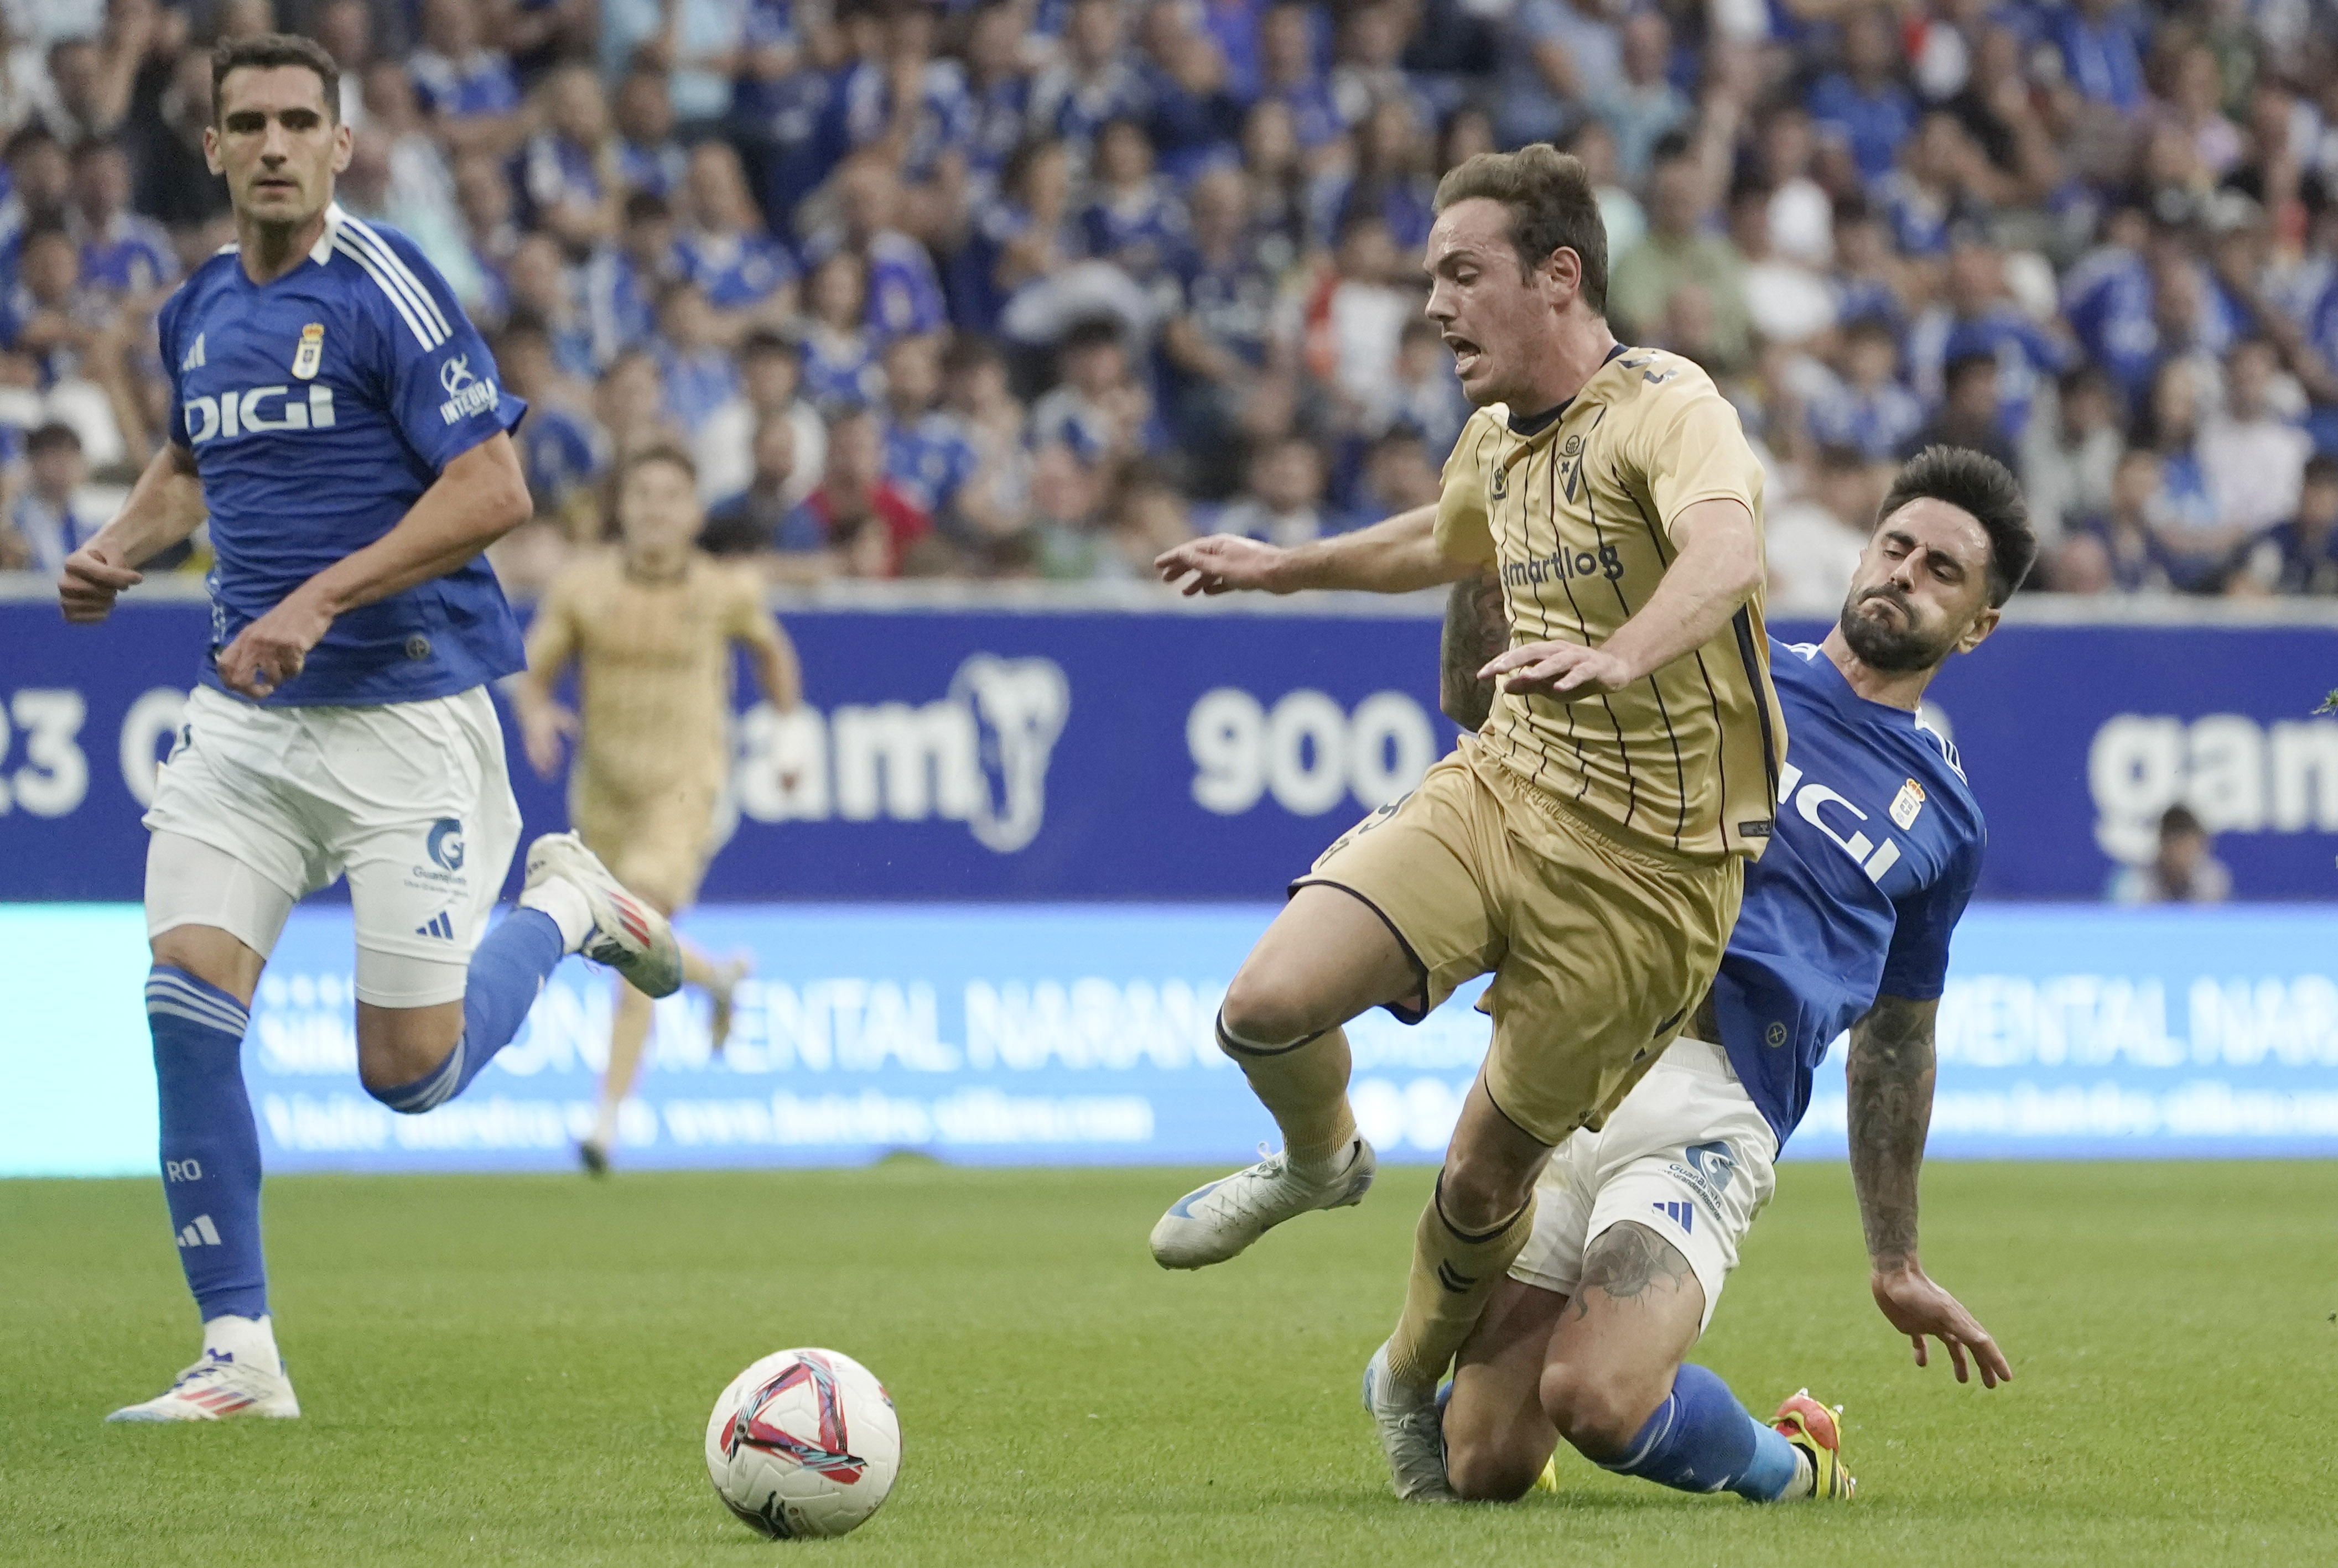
(1475, 630)
(1891, 1075)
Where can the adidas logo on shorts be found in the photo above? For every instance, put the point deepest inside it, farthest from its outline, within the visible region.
(439, 925)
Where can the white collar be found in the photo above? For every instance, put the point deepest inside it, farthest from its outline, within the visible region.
(323, 250)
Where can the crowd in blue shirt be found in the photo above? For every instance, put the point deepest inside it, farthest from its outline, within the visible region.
(1005, 288)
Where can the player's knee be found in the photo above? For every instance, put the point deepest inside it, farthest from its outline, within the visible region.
(1595, 1411)
(1476, 1195)
(1481, 1468)
(1265, 1010)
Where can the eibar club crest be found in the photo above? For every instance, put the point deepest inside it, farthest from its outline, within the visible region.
(307, 359)
(1907, 803)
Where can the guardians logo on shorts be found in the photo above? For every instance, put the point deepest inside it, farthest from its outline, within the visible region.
(1709, 1168)
(446, 844)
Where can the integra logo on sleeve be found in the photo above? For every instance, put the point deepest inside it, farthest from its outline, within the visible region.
(465, 394)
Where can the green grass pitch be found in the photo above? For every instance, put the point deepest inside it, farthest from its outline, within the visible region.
(519, 1369)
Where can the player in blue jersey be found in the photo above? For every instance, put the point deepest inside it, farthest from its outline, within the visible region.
(338, 420)
(1846, 925)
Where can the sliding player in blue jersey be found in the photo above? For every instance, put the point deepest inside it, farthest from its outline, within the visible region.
(338, 420)
(1846, 925)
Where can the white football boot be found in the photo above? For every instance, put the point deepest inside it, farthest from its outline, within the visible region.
(721, 994)
(216, 1388)
(1211, 1224)
(1412, 1433)
(627, 935)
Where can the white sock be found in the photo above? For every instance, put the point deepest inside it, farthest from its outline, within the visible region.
(604, 1130)
(1806, 1479)
(248, 1340)
(566, 903)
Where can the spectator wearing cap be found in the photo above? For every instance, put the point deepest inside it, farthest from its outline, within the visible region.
(928, 452)
(2300, 557)
(1558, 53)
(2183, 870)
(770, 386)
(1678, 253)
(748, 275)
(1868, 410)
(1865, 103)
(649, 159)
(840, 352)
(45, 515)
(125, 253)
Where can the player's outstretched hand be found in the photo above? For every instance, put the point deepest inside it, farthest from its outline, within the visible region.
(85, 592)
(1918, 1308)
(541, 730)
(1221, 564)
(1565, 670)
(273, 649)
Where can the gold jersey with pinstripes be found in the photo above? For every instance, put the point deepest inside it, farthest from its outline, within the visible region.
(1576, 515)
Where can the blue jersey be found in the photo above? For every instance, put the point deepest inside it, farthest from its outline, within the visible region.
(319, 406)
(1877, 846)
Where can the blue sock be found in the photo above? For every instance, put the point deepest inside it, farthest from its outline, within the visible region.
(506, 972)
(1701, 1439)
(211, 1145)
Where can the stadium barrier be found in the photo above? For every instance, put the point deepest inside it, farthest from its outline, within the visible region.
(1044, 1034)
(972, 745)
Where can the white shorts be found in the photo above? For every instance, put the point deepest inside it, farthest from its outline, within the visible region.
(410, 800)
(1687, 1154)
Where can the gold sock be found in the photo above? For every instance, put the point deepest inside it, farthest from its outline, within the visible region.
(1305, 1088)
(1453, 1272)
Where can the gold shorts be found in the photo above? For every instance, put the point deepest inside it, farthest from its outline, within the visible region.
(1598, 947)
(657, 844)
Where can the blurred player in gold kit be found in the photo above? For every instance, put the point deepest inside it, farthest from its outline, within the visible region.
(650, 626)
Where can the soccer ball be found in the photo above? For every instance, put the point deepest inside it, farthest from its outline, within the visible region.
(803, 1443)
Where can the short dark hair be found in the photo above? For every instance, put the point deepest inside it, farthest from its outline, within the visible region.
(52, 437)
(1551, 207)
(90, 147)
(25, 138)
(1976, 483)
(2180, 822)
(1091, 332)
(658, 452)
(769, 340)
(646, 207)
(2320, 469)
(1965, 365)
(267, 51)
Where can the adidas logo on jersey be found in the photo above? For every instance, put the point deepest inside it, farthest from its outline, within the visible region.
(254, 411)
(439, 926)
(201, 1232)
(194, 359)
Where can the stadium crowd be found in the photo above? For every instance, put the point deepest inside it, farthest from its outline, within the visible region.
(1034, 288)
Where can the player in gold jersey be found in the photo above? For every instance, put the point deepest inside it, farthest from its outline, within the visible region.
(1588, 848)
(650, 625)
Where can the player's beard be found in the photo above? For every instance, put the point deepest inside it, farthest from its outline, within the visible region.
(1882, 647)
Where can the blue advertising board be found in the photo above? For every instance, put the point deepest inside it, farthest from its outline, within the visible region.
(1166, 755)
(1060, 1034)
